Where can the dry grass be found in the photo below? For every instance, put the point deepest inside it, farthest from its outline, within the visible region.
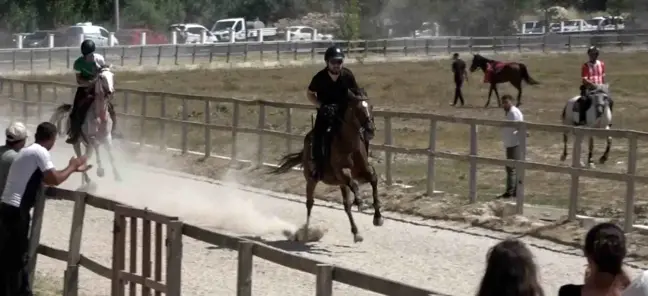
(421, 87)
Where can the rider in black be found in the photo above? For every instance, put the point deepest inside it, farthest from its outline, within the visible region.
(328, 91)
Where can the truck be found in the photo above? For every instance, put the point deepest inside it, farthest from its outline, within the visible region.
(242, 30)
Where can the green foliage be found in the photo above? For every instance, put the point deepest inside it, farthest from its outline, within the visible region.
(350, 21)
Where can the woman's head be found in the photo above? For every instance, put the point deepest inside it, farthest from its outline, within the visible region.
(510, 271)
(605, 248)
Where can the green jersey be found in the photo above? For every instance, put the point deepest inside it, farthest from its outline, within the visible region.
(88, 69)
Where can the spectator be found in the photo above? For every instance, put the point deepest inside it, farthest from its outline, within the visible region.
(30, 169)
(15, 136)
(460, 74)
(605, 249)
(510, 271)
(511, 144)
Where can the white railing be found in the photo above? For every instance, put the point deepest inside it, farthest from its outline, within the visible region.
(203, 54)
(27, 100)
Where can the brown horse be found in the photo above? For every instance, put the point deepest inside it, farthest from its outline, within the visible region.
(499, 72)
(347, 162)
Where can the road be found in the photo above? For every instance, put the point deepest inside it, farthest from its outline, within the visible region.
(39, 60)
(444, 257)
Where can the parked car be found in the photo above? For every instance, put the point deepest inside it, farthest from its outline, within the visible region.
(306, 33)
(243, 30)
(70, 35)
(134, 37)
(190, 33)
(37, 39)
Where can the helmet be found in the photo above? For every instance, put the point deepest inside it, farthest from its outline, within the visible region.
(87, 47)
(593, 50)
(333, 52)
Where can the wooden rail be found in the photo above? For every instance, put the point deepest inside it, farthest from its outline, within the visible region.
(21, 106)
(168, 255)
(38, 59)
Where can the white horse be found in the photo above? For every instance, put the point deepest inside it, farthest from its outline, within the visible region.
(598, 115)
(97, 127)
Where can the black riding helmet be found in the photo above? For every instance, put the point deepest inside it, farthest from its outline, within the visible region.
(333, 52)
(593, 50)
(87, 47)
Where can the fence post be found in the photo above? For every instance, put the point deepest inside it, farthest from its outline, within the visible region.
(25, 105)
(71, 281)
(118, 252)
(159, 55)
(289, 129)
(123, 55)
(431, 157)
(235, 124)
(324, 280)
(208, 141)
(143, 121)
(388, 154)
(630, 184)
(569, 43)
(573, 192)
(494, 44)
(193, 54)
(146, 254)
(185, 127)
(520, 167)
(544, 43)
(39, 105)
(229, 52)
(260, 128)
(245, 52)
(163, 141)
(519, 44)
(472, 179)
(176, 54)
(278, 51)
(244, 272)
(35, 232)
(174, 258)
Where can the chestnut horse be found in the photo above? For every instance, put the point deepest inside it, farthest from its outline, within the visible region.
(346, 163)
(499, 72)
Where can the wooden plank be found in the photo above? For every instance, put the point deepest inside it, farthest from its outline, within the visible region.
(95, 267)
(158, 255)
(211, 237)
(324, 280)
(174, 259)
(377, 284)
(136, 279)
(35, 234)
(146, 254)
(244, 271)
(119, 246)
(630, 185)
(146, 214)
(132, 268)
(286, 259)
(71, 280)
(53, 253)
(101, 202)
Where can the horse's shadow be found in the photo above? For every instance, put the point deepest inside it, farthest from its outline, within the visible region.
(286, 245)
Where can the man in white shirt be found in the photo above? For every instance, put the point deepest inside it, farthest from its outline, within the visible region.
(511, 142)
(15, 136)
(31, 168)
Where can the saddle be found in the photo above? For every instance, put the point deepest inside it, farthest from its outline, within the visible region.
(492, 69)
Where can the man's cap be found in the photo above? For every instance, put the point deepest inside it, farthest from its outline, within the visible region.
(16, 132)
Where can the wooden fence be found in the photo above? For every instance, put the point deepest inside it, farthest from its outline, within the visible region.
(38, 59)
(168, 233)
(575, 171)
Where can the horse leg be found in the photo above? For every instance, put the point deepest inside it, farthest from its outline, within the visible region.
(499, 101)
(100, 168)
(347, 209)
(310, 201)
(606, 154)
(590, 163)
(111, 158)
(377, 219)
(519, 96)
(563, 157)
(85, 179)
(490, 92)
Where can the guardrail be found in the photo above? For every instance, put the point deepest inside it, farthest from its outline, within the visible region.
(194, 116)
(182, 54)
(168, 255)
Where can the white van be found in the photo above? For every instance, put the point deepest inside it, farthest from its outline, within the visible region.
(98, 34)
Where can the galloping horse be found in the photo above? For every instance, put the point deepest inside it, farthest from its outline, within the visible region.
(98, 125)
(496, 72)
(347, 161)
(598, 115)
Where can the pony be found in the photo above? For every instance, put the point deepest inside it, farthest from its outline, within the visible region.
(347, 162)
(496, 72)
(598, 115)
(97, 127)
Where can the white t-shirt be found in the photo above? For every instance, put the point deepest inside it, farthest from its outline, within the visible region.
(26, 176)
(509, 134)
(638, 287)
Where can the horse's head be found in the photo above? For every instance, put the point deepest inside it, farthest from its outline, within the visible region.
(599, 96)
(359, 106)
(478, 61)
(104, 84)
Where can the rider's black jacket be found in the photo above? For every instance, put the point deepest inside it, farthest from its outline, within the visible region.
(332, 92)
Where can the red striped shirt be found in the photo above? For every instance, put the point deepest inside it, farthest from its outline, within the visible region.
(594, 72)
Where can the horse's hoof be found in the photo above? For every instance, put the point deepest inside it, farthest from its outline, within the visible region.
(602, 160)
(591, 165)
(359, 203)
(378, 221)
(100, 172)
(563, 157)
(357, 238)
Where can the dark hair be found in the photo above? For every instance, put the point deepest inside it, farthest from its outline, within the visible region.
(507, 98)
(605, 245)
(45, 132)
(510, 271)
(455, 55)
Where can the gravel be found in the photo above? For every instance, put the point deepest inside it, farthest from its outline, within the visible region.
(446, 257)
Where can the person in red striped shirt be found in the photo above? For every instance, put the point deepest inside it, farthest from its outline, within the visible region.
(592, 74)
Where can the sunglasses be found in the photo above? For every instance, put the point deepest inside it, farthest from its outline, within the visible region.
(336, 62)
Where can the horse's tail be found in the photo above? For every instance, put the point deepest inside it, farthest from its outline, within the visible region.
(288, 162)
(526, 76)
(60, 115)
